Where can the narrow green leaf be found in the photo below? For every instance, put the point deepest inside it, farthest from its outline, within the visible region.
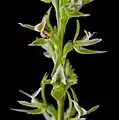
(75, 99)
(43, 88)
(46, 1)
(87, 42)
(52, 111)
(33, 112)
(93, 109)
(48, 25)
(28, 104)
(70, 105)
(75, 13)
(39, 42)
(74, 95)
(39, 105)
(77, 30)
(27, 26)
(67, 48)
(82, 50)
(55, 3)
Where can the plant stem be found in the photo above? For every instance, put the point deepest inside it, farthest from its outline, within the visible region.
(61, 24)
(60, 104)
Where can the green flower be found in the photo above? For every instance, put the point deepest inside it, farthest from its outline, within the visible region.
(40, 107)
(79, 44)
(44, 27)
(81, 111)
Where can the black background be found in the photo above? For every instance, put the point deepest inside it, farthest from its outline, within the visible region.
(23, 66)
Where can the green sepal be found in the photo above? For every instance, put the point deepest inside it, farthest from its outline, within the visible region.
(83, 50)
(31, 27)
(38, 42)
(75, 13)
(87, 42)
(67, 48)
(93, 109)
(77, 30)
(39, 105)
(32, 112)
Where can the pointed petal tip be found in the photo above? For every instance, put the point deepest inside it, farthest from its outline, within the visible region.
(100, 40)
(13, 109)
(30, 44)
(20, 91)
(97, 106)
(18, 101)
(21, 24)
(101, 52)
(86, 15)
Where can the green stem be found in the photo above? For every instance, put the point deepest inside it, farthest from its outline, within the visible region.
(60, 104)
(61, 26)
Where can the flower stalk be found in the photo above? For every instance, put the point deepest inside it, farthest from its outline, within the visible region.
(63, 76)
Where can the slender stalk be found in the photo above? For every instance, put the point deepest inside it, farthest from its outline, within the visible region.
(61, 30)
(60, 104)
